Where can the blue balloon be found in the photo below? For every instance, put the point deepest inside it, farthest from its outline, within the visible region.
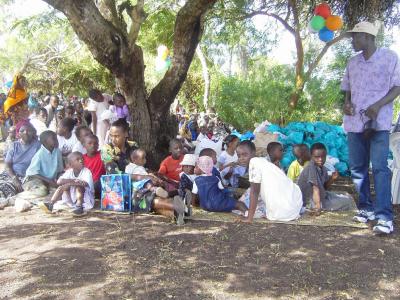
(325, 35)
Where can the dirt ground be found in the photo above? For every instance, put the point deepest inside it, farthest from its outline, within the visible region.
(116, 256)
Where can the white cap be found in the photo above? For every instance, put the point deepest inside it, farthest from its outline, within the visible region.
(365, 27)
(189, 160)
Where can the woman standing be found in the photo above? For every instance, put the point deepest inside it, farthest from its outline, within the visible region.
(16, 104)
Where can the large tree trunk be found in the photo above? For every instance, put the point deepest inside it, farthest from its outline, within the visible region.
(112, 45)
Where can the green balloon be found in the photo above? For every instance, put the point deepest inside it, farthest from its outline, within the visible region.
(317, 23)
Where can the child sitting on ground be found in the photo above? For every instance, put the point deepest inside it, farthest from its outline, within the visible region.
(281, 197)
(210, 191)
(314, 182)
(115, 154)
(149, 197)
(227, 161)
(66, 139)
(275, 153)
(75, 188)
(92, 161)
(187, 178)
(211, 153)
(47, 163)
(81, 132)
(141, 179)
(302, 154)
(170, 167)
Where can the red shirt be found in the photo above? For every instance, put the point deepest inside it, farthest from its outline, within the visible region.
(95, 165)
(171, 167)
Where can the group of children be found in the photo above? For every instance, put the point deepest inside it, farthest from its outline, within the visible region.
(184, 180)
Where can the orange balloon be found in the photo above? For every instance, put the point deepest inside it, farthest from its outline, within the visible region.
(333, 23)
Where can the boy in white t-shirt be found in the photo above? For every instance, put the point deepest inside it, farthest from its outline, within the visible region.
(75, 189)
(282, 198)
(66, 138)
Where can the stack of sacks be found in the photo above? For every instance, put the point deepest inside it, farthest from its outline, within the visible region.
(332, 136)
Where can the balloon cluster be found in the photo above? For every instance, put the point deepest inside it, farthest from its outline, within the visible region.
(324, 22)
(163, 60)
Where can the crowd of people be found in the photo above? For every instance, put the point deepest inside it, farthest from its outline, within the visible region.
(69, 143)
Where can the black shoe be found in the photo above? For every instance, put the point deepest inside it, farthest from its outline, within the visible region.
(47, 207)
(78, 211)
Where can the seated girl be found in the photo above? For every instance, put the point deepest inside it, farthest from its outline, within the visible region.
(115, 154)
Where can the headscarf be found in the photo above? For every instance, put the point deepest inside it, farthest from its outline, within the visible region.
(206, 164)
(21, 123)
(16, 94)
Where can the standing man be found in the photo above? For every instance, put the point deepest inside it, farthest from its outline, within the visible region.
(371, 83)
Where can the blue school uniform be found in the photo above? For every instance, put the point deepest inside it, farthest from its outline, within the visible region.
(212, 195)
(217, 173)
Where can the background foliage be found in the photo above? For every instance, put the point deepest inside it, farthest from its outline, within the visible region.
(247, 86)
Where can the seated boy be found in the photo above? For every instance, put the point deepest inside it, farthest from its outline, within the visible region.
(47, 163)
(81, 132)
(141, 179)
(65, 136)
(170, 167)
(302, 154)
(314, 182)
(92, 161)
(281, 196)
(75, 188)
(275, 153)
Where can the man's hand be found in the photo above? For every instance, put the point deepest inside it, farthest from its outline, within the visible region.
(335, 175)
(348, 109)
(373, 111)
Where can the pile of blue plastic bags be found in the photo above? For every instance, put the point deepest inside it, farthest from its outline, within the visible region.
(332, 136)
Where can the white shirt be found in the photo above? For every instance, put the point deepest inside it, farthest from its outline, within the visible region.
(66, 145)
(38, 125)
(88, 198)
(99, 108)
(78, 147)
(134, 169)
(225, 158)
(282, 197)
(201, 137)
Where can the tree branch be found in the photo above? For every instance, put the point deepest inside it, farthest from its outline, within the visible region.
(187, 34)
(108, 8)
(283, 21)
(107, 43)
(138, 16)
(315, 63)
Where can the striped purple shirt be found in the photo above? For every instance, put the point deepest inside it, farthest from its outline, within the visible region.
(369, 81)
